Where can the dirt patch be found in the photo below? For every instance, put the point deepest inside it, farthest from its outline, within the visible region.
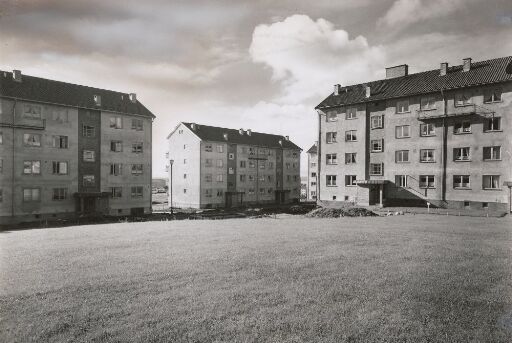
(341, 212)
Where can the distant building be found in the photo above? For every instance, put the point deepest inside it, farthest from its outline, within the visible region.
(440, 136)
(218, 167)
(312, 179)
(68, 150)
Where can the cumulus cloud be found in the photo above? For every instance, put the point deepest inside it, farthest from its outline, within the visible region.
(309, 56)
(406, 12)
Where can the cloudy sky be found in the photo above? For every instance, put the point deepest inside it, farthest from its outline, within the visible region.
(262, 65)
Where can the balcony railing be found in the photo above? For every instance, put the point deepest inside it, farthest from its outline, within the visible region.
(455, 111)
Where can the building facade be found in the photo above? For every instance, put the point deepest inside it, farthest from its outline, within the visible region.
(68, 150)
(440, 137)
(212, 167)
(312, 179)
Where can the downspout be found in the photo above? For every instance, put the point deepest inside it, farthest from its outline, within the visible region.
(319, 158)
(445, 146)
(13, 156)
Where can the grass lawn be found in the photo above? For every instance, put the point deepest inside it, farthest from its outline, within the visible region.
(389, 279)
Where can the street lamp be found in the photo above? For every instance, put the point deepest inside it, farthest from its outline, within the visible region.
(172, 162)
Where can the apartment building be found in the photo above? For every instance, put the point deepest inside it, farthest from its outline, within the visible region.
(312, 178)
(440, 137)
(212, 167)
(68, 150)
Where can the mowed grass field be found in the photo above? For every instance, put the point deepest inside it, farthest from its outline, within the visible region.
(422, 278)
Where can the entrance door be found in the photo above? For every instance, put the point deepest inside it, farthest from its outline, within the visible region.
(374, 195)
(89, 205)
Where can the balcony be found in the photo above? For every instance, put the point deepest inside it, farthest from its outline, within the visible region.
(455, 111)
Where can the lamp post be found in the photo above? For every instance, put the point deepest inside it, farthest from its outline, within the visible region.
(172, 162)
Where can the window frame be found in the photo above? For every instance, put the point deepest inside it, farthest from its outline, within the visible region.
(492, 176)
(430, 99)
(377, 172)
(381, 143)
(352, 135)
(491, 120)
(461, 125)
(35, 143)
(31, 189)
(350, 180)
(59, 194)
(397, 107)
(491, 150)
(427, 183)
(380, 122)
(461, 154)
(401, 128)
(331, 159)
(32, 167)
(428, 160)
(402, 153)
(350, 158)
(331, 137)
(351, 113)
(459, 184)
(330, 180)
(493, 92)
(116, 122)
(427, 125)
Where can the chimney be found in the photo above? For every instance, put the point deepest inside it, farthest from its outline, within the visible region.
(287, 138)
(97, 100)
(337, 89)
(133, 97)
(444, 69)
(466, 64)
(241, 132)
(368, 91)
(281, 142)
(225, 136)
(249, 132)
(16, 75)
(193, 126)
(401, 70)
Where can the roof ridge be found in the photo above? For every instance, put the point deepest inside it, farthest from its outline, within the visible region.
(226, 128)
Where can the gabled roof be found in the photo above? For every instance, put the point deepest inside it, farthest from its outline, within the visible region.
(313, 149)
(37, 89)
(216, 134)
(480, 73)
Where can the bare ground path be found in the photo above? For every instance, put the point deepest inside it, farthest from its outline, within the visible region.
(389, 279)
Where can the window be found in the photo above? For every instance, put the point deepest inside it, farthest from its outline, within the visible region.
(262, 190)
(59, 167)
(269, 178)
(377, 145)
(1, 138)
(208, 178)
(231, 156)
(377, 122)
(351, 113)
(88, 156)
(220, 163)
(492, 124)
(251, 191)
(31, 139)
(32, 167)
(184, 191)
(350, 180)
(313, 174)
(491, 182)
(331, 116)
(208, 148)
(137, 147)
(220, 148)
(461, 181)
(220, 192)
(137, 125)
(376, 168)
(331, 159)
(116, 122)
(428, 103)
(262, 165)
(231, 171)
(116, 146)
(88, 131)
(88, 181)
(60, 142)
(427, 130)
(331, 137)
(116, 169)
(350, 136)
(252, 164)
(270, 165)
(116, 192)
(330, 180)
(32, 111)
(60, 193)
(492, 153)
(251, 178)
(60, 115)
(401, 181)
(492, 95)
(31, 194)
(184, 161)
(403, 131)
(463, 99)
(220, 178)
(243, 164)
(208, 193)
(243, 178)
(427, 155)
(402, 106)
(462, 127)
(295, 154)
(252, 151)
(137, 169)
(401, 156)
(313, 164)
(461, 154)
(208, 162)
(287, 165)
(137, 191)
(427, 181)
(350, 158)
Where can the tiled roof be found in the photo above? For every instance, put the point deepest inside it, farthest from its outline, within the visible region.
(483, 72)
(216, 134)
(50, 91)
(313, 149)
